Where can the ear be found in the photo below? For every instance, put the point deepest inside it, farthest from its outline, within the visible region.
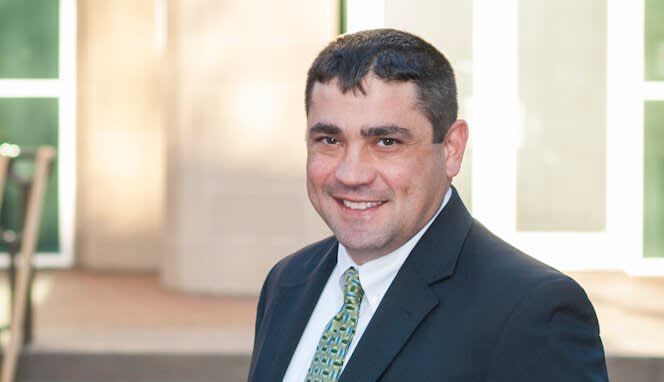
(454, 146)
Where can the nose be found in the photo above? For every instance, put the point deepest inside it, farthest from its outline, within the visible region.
(355, 168)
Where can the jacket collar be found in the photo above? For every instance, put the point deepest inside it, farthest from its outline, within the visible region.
(295, 300)
(435, 256)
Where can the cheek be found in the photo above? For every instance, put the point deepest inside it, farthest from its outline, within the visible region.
(318, 170)
(413, 178)
(401, 175)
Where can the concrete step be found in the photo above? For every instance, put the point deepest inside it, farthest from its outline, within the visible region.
(50, 366)
(37, 366)
(635, 369)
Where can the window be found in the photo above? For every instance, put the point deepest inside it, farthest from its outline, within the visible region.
(567, 123)
(37, 106)
(653, 130)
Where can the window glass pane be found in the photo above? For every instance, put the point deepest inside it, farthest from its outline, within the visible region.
(343, 26)
(654, 40)
(561, 157)
(448, 25)
(28, 38)
(653, 208)
(30, 122)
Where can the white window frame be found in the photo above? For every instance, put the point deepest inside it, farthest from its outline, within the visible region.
(64, 89)
(496, 123)
(629, 63)
(620, 245)
(364, 14)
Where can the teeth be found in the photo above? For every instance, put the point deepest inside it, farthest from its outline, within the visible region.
(361, 205)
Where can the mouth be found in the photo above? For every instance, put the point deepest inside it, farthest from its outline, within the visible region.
(360, 205)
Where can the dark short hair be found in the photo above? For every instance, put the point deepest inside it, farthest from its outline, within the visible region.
(391, 55)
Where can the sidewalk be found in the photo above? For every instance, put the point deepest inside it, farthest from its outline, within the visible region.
(630, 312)
(117, 312)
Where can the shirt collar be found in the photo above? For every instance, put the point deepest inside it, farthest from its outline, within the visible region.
(377, 275)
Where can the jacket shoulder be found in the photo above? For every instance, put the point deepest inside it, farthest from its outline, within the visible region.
(492, 258)
(302, 262)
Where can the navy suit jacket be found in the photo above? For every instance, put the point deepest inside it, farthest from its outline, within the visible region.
(465, 306)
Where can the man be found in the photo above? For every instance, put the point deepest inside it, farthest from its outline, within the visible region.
(410, 287)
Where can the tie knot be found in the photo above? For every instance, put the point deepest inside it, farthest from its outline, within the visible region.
(353, 291)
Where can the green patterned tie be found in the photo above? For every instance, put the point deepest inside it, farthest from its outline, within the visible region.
(338, 334)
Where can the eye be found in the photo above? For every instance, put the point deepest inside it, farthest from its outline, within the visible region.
(387, 142)
(329, 140)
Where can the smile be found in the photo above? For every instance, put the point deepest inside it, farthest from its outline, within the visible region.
(361, 205)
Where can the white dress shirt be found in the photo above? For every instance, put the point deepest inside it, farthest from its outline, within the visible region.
(376, 276)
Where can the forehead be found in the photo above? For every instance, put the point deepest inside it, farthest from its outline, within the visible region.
(380, 103)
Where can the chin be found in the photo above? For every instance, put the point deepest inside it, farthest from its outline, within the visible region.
(362, 243)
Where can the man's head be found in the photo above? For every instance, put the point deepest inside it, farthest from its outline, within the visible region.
(392, 56)
(383, 142)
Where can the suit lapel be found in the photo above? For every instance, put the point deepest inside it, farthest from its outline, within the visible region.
(292, 308)
(410, 297)
(401, 311)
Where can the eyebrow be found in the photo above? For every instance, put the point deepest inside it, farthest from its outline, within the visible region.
(381, 131)
(324, 128)
(376, 131)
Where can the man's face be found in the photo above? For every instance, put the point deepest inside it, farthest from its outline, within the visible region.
(373, 173)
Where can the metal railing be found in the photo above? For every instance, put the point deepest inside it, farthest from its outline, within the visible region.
(21, 243)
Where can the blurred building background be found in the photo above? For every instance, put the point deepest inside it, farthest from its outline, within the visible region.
(180, 125)
(180, 131)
